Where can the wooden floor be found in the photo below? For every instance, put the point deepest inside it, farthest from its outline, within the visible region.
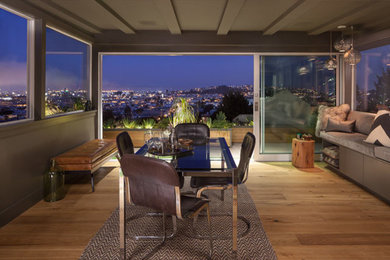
(307, 215)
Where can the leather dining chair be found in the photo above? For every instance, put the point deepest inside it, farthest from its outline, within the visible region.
(223, 183)
(197, 132)
(124, 144)
(154, 183)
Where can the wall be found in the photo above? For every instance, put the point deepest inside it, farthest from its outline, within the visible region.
(25, 151)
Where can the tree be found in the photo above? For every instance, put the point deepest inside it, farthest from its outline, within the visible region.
(233, 104)
(377, 98)
(128, 114)
(382, 86)
(108, 118)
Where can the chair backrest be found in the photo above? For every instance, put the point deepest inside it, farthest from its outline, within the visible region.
(247, 146)
(124, 144)
(194, 131)
(152, 182)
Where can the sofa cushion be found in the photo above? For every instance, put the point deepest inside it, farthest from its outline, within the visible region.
(382, 152)
(380, 131)
(353, 141)
(340, 126)
(339, 113)
(363, 121)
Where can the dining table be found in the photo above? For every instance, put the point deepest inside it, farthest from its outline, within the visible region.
(211, 158)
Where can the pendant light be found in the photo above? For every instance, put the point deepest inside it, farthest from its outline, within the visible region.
(342, 45)
(352, 57)
(331, 63)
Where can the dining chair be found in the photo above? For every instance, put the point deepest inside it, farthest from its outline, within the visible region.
(224, 183)
(124, 144)
(154, 184)
(197, 132)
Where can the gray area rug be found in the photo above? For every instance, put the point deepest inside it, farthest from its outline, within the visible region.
(252, 243)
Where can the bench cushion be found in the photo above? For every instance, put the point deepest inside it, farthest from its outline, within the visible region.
(87, 153)
(353, 141)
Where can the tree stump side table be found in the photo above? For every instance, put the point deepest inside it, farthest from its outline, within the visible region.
(303, 153)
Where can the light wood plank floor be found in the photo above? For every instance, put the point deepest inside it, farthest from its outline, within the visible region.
(307, 215)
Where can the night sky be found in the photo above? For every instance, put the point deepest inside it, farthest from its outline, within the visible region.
(372, 64)
(142, 72)
(13, 51)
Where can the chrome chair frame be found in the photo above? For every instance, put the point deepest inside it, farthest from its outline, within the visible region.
(245, 168)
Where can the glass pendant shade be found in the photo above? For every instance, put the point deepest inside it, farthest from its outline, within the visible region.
(303, 70)
(342, 45)
(352, 57)
(331, 63)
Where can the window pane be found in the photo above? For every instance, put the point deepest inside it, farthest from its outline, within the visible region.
(138, 89)
(373, 80)
(294, 87)
(13, 67)
(67, 73)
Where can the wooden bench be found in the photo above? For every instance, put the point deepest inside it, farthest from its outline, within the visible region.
(88, 157)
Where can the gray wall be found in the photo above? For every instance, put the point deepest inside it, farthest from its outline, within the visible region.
(25, 151)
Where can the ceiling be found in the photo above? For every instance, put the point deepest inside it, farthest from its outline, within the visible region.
(221, 16)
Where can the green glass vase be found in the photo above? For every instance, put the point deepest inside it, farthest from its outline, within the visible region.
(54, 181)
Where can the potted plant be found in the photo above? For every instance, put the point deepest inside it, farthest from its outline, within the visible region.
(220, 127)
(183, 113)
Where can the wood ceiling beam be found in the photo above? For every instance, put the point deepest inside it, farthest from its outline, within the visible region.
(291, 14)
(347, 17)
(230, 13)
(165, 7)
(91, 27)
(118, 20)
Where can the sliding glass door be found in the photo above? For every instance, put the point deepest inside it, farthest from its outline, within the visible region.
(290, 90)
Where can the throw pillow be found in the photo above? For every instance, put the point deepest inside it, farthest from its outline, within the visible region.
(340, 126)
(339, 113)
(380, 131)
(381, 112)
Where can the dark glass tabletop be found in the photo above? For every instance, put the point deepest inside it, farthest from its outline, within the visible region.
(214, 155)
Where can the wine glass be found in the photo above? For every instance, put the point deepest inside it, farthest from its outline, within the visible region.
(148, 135)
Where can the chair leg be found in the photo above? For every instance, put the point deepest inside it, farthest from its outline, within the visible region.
(174, 225)
(92, 183)
(210, 231)
(164, 236)
(164, 230)
(153, 237)
(222, 195)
